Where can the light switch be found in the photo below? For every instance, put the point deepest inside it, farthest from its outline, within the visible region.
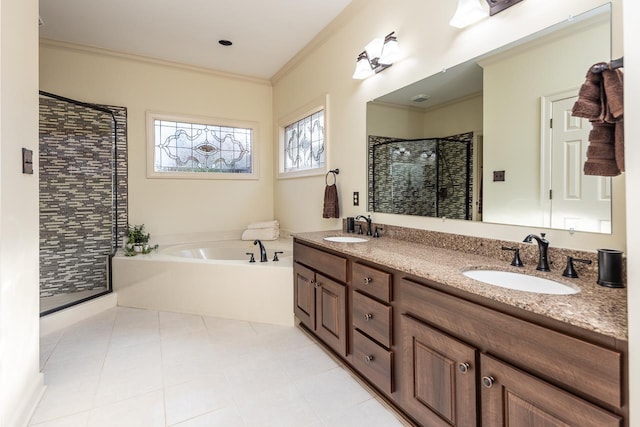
(498, 176)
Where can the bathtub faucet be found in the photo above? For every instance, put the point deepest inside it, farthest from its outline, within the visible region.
(263, 251)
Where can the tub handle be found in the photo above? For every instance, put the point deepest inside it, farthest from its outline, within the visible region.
(252, 259)
(275, 255)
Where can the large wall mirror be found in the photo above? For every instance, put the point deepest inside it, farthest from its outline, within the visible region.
(526, 151)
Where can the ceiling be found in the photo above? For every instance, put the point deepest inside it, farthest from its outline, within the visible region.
(265, 34)
(453, 84)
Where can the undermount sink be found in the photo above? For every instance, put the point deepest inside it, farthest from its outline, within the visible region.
(346, 239)
(520, 282)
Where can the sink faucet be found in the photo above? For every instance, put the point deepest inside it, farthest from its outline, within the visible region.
(543, 246)
(263, 252)
(368, 219)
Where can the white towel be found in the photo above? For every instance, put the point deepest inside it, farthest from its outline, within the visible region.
(264, 224)
(261, 233)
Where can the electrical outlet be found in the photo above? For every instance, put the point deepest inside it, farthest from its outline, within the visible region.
(356, 198)
(498, 176)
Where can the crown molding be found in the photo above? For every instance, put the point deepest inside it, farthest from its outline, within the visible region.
(148, 60)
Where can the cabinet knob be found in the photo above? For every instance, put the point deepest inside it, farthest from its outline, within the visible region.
(488, 381)
(464, 367)
(368, 316)
(368, 359)
(316, 284)
(367, 280)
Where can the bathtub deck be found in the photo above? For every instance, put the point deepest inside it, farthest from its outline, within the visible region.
(258, 292)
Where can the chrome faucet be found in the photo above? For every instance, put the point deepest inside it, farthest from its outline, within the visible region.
(368, 219)
(263, 251)
(543, 246)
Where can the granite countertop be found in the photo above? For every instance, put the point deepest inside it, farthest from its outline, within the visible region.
(594, 308)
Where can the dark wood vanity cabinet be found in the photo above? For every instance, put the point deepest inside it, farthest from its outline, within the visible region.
(525, 374)
(319, 301)
(511, 397)
(445, 359)
(372, 324)
(439, 381)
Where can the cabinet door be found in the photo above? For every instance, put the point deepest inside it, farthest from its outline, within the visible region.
(331, 313)
(304, 304)
(439, 386)
(511, 397)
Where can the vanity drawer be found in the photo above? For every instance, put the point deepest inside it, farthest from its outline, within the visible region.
(372, 318)
(371, 281)
(582, 367)
(373, 361)
(329, 264)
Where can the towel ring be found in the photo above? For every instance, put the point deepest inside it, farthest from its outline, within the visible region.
(335, 178)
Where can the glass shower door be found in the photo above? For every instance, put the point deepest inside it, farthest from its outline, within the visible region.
(78, 210)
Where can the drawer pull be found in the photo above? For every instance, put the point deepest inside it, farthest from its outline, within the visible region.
(464, 367)
(368, 359)
(367, 280)
(368, 316)
(488, 381)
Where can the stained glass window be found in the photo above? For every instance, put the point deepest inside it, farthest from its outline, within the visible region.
(183, 146)
(304, 143)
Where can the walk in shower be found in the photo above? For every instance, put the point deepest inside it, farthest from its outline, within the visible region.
(83, 198)
(426, 177)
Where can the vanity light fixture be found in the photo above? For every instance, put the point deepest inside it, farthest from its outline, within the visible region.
(377, 55)
(468, 12)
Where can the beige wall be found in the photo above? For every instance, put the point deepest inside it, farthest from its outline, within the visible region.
(171, 206)
(394, 121)
(410, 122)
(454, 118)
(429, 44)
(21, 384)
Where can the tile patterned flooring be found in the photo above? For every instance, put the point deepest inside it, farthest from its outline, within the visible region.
(139, 368)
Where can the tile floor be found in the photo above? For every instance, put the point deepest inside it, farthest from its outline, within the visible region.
(139, 368)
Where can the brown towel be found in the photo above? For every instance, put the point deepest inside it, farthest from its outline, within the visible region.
(601, 156)
(589, 104)
(331, 208)
(619, 135)
(612, 82)
(601, 101)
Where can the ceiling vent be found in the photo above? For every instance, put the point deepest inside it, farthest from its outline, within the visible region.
(420, 98)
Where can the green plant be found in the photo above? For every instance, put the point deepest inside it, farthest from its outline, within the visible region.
(137, 241)
(137, 235)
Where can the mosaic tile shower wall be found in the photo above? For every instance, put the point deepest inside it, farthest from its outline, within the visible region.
(83, 194)
(426, 177)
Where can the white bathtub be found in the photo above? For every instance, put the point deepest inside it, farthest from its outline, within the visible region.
(230, 250)
(210, 279)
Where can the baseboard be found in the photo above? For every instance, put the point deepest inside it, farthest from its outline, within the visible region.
(63, 318)
(22, 415)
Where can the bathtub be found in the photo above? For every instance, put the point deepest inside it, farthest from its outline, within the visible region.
(230, 250)
(213, 278)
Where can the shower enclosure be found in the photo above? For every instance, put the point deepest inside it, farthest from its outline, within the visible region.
(83, 198)
(426, 177)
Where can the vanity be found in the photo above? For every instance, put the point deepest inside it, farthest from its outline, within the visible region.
(447, 350)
